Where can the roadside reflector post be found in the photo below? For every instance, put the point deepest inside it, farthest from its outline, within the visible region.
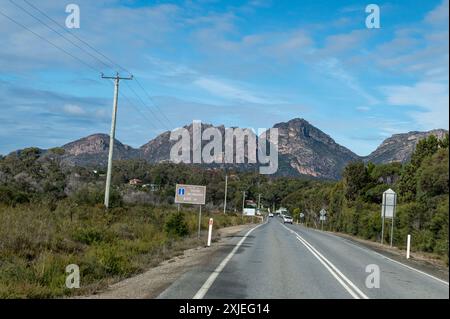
(408, 246)
(211, 221)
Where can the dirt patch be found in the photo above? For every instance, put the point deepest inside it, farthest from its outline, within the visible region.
(152, 282)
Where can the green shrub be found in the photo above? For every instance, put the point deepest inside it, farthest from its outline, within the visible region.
(94, 195)
(88, 235)
(11, 196)
(176, 225)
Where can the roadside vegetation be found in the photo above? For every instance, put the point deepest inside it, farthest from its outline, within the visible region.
(354, 203)
(51, 214)
(37, 242)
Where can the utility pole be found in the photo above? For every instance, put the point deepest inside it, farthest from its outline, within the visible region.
(226, 190)
(259, 203)
(243, 202)
(226, 183)
(116, 79)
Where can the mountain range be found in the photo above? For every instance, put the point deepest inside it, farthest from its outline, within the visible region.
(304, 150)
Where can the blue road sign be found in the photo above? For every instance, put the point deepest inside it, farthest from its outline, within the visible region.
(181, 191)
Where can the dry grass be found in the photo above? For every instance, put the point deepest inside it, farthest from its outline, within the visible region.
(37, 243)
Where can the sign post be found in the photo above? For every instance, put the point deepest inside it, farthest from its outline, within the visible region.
(388, 209)
(323, 216)
(191, 194)
(199, 221)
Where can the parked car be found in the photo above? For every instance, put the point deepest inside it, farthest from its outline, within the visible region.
(287, 219)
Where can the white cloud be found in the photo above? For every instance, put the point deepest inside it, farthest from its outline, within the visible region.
(73, 109)
(230, 91)
(438, 15)
(431, 97)
(344, 42)
(333, 67)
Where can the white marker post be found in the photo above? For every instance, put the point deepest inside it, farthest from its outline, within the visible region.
(408, 246)
(210, 231)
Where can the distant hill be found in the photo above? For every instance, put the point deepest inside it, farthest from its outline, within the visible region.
(93, 150)
(399, 147)
(304, 150)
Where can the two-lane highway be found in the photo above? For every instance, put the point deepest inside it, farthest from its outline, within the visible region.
(289, 261)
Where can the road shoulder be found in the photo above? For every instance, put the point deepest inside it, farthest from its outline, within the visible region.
(418, 261)
(152, 282)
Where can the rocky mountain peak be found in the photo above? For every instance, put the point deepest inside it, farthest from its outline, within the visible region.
(303, 150)
(399, 147)
(94, 149)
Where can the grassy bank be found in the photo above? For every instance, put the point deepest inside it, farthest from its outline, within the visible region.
(38, 242)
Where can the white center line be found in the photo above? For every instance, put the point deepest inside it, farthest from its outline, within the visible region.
(351, 288)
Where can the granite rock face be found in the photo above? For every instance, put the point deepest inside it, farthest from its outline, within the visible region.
(399, 147)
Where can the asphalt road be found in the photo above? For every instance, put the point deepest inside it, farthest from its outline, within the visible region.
(292, 262)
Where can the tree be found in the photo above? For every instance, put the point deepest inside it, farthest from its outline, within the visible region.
(355, 179)
(424, 148)
(443, 143)
(432, 177)
(407, 185)
(386, 173)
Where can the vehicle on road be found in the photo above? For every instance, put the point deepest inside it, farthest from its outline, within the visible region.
(287, 219)
(270, 214)
(282, 211)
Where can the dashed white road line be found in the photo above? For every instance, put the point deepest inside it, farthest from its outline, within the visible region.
(351, 288)
(209, 282)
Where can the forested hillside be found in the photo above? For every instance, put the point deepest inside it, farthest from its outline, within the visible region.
(354, 203)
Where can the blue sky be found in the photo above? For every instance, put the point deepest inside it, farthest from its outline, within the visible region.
(238, 63)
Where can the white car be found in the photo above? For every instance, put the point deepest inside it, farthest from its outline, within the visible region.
(270, 214)
(287, 219)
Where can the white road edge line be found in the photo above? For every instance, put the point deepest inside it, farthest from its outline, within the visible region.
(411, 268)
(334, 271)
(209, 282)
(390, 259)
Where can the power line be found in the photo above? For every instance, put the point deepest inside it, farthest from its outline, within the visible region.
(74, 57)
(143, 103)
(138, 110)
(81, 60)
(151, 99)
(48, 41)
(122, 94)
(113, 63)
(57, 32)
(77, 37)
